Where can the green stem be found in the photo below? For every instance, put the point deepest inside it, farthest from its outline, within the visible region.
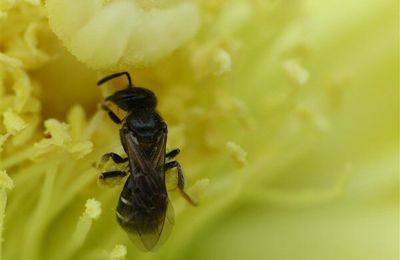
(39, 218)
(78, 237)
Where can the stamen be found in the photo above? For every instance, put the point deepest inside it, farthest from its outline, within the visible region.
(92, 212)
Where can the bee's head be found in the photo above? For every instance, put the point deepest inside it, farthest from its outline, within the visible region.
(131, 98)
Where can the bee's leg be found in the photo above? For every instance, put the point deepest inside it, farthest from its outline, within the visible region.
(172, 154)
(181, 180)
(112, 115)
(115, 157)
(111, 178)
(115, 176)
(112, 174)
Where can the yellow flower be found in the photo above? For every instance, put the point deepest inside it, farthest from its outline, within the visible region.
(286, 113)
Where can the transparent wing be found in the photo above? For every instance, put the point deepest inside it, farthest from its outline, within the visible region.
(137, 156)
(153, 239)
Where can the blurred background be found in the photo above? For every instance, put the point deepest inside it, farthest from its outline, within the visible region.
(286, 113)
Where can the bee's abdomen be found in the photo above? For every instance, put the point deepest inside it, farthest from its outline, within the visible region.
(140, 207)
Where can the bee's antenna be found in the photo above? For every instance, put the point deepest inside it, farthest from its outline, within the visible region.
(109, 77)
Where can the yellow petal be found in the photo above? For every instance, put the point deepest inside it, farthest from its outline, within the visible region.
(120, 33)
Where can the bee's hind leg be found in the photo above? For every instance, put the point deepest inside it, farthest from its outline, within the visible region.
(181, 180)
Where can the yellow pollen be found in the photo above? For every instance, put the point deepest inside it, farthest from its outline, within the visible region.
(118, 252)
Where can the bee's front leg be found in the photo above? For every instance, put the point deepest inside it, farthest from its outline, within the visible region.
(111, 178)
(115, 157)
(114, 174)
(111, 114)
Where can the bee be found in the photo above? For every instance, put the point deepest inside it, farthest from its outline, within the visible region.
(144, 210)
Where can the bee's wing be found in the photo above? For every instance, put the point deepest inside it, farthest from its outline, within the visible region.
(152, 240)
(137, 156)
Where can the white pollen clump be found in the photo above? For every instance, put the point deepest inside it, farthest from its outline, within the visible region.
(13, 122)
(106, 34)
(5, 181)
(296, 72)
(238, 155)
(93, 208)
(118, 253)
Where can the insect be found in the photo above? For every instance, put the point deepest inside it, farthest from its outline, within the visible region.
(144, 210)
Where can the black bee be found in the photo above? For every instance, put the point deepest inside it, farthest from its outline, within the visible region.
(144, 210)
